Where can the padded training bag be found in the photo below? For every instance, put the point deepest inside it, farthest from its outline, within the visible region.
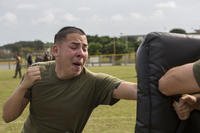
(158, 53)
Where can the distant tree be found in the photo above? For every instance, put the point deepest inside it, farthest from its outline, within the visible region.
(25, 47)
(121, 46)
(94, 48)
(107, 48)
(94, 38)
(105, 40)
(133, 44)
(178, 30)
(97, 45)
(39, 45)
(48, 44)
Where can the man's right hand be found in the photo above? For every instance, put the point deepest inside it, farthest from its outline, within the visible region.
(31, 76)
(186, 104)
(182, 109)
(16, 103)
(192, 100)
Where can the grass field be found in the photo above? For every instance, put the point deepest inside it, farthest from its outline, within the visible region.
(119, 118)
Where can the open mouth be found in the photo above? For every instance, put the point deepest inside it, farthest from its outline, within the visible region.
(77, 64)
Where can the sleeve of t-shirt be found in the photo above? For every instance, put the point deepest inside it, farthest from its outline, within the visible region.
(196, 71)
(105, 85)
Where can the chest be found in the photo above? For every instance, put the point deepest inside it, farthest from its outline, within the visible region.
(50, 98)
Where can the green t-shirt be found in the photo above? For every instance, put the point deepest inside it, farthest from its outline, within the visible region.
(64, 106)
(196, 71)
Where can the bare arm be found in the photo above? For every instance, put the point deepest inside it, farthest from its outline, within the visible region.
(16, 103)
(179, 80)
(126, 90)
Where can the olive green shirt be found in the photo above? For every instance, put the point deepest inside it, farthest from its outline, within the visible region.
(64, 106)
(196, 71)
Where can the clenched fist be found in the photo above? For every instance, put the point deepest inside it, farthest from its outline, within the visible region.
(31, 76)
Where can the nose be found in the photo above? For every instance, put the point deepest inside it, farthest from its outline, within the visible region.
(80, 53)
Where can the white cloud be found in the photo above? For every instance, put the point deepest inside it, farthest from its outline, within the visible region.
(84, 9)
(169, 4)
(70, 17)
(137, 15)
(117, 17)
(47, 19)
(9, 18)
(54, 10)
(96, 18)
(158, 14)
(26, 6)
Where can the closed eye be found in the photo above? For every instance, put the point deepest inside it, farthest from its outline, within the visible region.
(85, 48)
(74, 45)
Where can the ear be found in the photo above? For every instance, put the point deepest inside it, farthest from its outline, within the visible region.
(54, 50)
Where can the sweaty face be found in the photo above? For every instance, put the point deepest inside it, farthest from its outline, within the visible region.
(72, 54)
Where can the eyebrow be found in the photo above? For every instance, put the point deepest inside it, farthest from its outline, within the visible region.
(77, 43)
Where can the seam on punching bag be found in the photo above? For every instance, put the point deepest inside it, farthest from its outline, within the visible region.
(149, 94)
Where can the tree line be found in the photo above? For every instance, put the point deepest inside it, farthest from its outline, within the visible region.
(97, 45)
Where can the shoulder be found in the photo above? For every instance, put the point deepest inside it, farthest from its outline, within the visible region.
(94, 74)
(196, 65)
(45, 66)
(196, 71)
(100, 78)
(46, 63)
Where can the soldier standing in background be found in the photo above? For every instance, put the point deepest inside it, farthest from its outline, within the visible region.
(18, 62)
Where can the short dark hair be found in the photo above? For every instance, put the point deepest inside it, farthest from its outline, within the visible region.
(62, 33)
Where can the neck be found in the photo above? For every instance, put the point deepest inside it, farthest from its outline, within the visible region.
(61, 73)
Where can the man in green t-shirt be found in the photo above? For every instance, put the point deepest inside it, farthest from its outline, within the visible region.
(184, 80)
(63, 93)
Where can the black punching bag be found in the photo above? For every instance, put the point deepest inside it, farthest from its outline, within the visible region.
(158, 53)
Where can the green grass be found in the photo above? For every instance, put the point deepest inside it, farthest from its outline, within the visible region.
(119, 118)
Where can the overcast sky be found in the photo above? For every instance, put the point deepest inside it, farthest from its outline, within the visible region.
(41, 19)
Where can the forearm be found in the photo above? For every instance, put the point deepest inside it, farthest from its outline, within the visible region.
(131, 93)
(175, 82)
(15, 104)
(126, 90)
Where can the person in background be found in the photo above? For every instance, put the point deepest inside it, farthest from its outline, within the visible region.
(38, 58)
(29, 60)
(63, 93)
(46, 56)
(18, 63)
